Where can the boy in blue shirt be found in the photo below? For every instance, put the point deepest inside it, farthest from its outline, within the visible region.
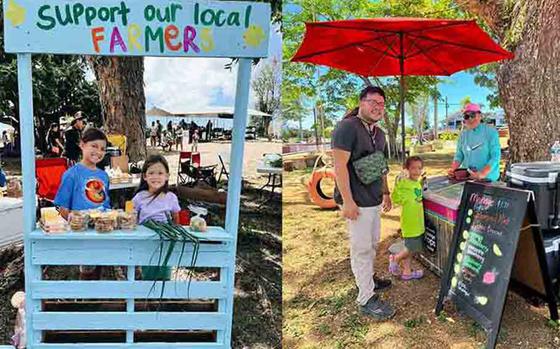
(84, 186)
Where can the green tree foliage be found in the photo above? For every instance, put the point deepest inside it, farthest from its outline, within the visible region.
(266, 87)
(336, 90)
(60, 87)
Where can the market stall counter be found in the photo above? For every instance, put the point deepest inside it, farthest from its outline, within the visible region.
(131, 248)
(442, 197)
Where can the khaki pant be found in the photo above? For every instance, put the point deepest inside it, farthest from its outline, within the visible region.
(364, 237)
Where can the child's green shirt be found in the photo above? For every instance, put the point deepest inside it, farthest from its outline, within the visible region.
(408, 194)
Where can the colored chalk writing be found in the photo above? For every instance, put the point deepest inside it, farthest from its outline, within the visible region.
(483, 252)
(108, 27)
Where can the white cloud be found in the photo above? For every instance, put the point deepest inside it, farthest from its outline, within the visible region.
(183, 84)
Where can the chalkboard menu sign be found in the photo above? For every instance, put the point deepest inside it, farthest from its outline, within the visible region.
(484, 246)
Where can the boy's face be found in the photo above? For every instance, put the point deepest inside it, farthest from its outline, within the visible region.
(415, 170)
(93, 151)
(156, 176)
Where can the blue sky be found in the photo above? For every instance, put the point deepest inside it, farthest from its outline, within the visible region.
(455, 88)
(180, 85)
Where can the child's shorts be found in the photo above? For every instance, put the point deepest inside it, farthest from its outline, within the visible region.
(415, 244)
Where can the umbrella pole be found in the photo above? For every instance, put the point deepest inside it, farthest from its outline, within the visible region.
(403, 134)
(402, 95)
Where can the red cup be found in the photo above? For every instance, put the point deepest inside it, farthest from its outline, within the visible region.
(184, 217)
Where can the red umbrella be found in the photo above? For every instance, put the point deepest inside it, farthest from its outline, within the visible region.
(398, 46)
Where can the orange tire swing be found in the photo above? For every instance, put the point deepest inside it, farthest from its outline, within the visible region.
(316, 194)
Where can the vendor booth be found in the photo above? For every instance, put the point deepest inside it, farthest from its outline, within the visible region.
(442, 198)
(139, 28)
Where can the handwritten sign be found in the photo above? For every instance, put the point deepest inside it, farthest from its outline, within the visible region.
(483, 251)
(137, 27)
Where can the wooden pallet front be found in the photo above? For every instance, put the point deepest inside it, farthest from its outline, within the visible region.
(124, 313)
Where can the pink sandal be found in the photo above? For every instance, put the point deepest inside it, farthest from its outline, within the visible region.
(416, 274)
(394, 266)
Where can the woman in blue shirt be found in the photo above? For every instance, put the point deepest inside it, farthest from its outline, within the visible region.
(478, 147)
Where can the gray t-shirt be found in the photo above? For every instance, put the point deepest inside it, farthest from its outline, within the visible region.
(351, 135)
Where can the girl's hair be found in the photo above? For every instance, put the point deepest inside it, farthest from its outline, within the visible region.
(53, 125)
(412, 159)
(152, 160)
(93, 134)
(350, 113)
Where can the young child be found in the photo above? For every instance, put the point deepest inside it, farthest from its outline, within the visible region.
(153, 200)
(408, 194)
(195, 138)
(84, 186)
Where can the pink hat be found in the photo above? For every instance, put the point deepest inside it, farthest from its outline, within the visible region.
(472, 107)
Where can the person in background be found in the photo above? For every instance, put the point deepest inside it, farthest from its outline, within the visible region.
(153, 135)
(54, 141)
(72, 138)
(195, 138)
(478, 147)
(209, 131)
(170, 126)
(2, 179)
(159, 127)
(5, 138)
(408, 194)
(178, 137)
(192, 128)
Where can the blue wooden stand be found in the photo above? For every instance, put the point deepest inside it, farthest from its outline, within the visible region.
(245, 39)
(130, 248)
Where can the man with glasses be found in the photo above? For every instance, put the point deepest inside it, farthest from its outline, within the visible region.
(356, 136)
(478, 147)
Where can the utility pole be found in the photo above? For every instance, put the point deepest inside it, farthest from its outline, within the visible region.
(316, 125)
(435, 118)
(446, 110)
(300, 129)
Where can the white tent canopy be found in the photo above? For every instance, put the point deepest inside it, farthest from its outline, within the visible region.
(221, 112)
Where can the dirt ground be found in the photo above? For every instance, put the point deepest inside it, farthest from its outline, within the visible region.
(253, 152)
(319, 309)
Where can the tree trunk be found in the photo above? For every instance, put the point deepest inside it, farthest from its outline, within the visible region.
(392, 129)
(529, 85)
(123, 103)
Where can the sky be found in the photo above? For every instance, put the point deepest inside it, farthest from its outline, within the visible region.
(179, 84)
(455, 88)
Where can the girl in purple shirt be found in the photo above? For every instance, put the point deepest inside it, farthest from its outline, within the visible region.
(152, 199)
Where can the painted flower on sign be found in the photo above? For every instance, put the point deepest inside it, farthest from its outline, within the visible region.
(15, 13)
(254, 35)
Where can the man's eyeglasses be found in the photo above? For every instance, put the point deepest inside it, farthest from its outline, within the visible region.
(374, 102)
(469, 115)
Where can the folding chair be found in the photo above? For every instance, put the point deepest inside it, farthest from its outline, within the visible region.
(191, 172)
(184, 162)
(224, 159)
(48, 173)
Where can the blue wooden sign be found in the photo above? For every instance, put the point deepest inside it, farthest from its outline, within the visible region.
(137, 27)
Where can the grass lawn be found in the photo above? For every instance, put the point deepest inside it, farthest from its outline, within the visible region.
(319, 309)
